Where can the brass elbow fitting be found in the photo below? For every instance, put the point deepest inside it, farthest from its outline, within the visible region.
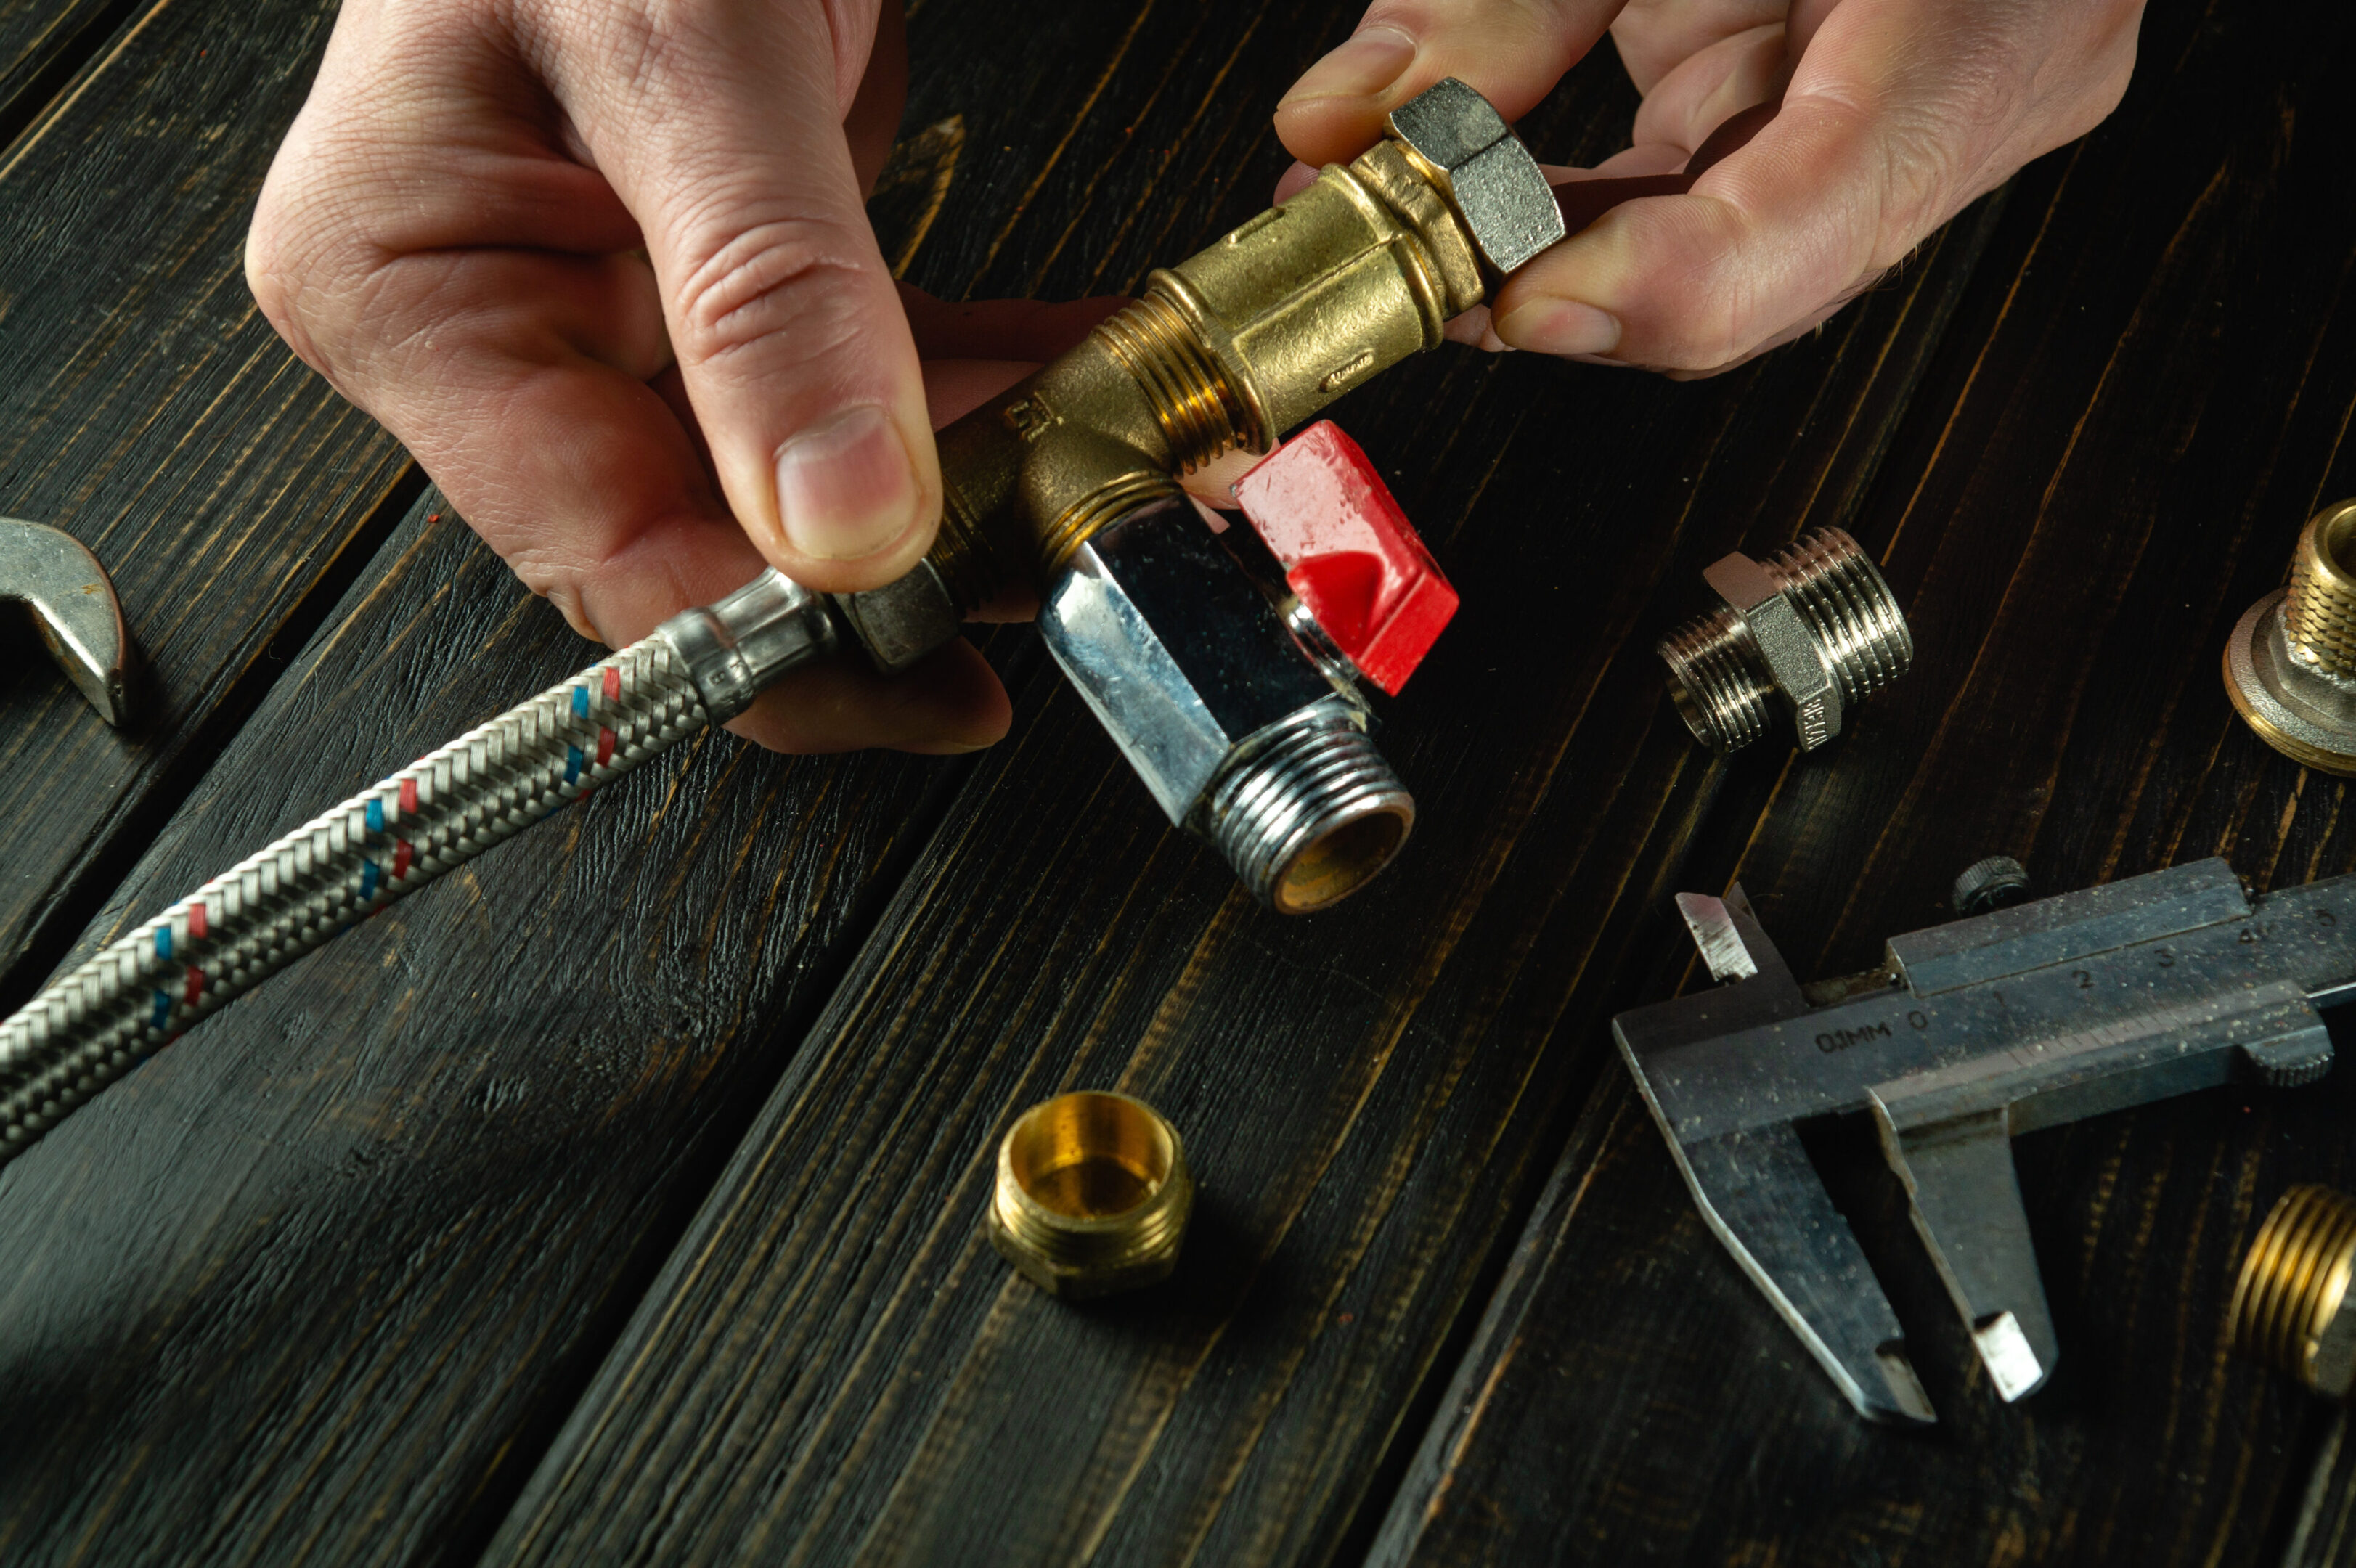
(1229, 349)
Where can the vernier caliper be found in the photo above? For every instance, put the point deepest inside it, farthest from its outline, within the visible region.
(2023, 1018)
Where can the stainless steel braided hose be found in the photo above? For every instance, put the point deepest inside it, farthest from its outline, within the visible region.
(105, 1017)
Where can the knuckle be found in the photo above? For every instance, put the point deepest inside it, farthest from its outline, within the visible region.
(790, 276)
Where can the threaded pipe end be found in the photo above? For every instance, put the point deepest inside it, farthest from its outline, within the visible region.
(1200, 414)
(2319, 615)
(1717, 679)
(2293, 1284)
(1313, 816)
(1092, 1195)
(1840, 593)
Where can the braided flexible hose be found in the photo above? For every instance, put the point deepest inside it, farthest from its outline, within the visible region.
(140, 991)
(701, 667)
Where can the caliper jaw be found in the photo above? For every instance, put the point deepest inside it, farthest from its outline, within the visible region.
(2001, 1024)
(1754, 1185)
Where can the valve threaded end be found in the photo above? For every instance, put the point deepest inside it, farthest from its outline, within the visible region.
(2319, 615)
(2293, 1286)
(1200, 414)
(1840, 593)
(1717, 681)
(1312, 817)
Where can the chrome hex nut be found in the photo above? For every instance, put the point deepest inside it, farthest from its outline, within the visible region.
(1241, 740)
(1484, 170)
(1795, 661)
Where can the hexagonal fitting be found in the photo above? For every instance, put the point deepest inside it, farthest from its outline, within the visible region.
(1092, 1196)
(1240, 738)
(1813, 624)
(1465, 146)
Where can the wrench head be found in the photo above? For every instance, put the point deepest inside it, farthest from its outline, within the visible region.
(73, 607)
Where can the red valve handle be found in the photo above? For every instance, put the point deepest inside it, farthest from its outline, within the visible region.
(1348, 552)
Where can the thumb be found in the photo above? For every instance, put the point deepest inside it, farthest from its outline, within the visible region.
(720, 128)
(1512, 51)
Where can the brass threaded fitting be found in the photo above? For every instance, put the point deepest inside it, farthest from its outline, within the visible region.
(2320, 610)
(1814, 623)
(1092, 1195)
(1202, 417)
(2290, 664)
(1229, 349)
(2292, 1308)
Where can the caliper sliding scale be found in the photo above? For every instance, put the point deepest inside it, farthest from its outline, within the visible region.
(1973, 1031)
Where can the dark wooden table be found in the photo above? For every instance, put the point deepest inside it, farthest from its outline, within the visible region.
(619, 1198)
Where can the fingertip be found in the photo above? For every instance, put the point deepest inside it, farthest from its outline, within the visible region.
(1293, 181)
(858, 497)
(1336, 109)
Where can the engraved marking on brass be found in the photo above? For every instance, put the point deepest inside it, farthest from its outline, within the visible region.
(1032, 417)
(1349, 370)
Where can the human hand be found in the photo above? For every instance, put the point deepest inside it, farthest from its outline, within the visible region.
(1894, 115)
(603, 266)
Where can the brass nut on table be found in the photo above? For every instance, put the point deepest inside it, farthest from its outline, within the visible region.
(1813, 624)
(2290, 665)
(1092, 1197)
(2292, 1308)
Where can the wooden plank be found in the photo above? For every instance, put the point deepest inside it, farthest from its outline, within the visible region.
(42, 43)
(148, 409)
(2147, 392)
(834, 1364)
(319, 1281)
(316, 1280)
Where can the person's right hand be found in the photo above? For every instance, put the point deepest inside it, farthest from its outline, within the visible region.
(603, 266)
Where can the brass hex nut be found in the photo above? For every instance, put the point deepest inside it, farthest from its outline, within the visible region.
(1092, 1195)
(1474, 155)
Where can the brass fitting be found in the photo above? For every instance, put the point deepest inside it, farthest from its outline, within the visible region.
(1229, 349)
(1092, 1196)
(1813, 624)
(2292, 1306)
(2290, 665)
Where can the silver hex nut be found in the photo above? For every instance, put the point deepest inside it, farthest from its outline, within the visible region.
(1489, 177)
(1795, 660)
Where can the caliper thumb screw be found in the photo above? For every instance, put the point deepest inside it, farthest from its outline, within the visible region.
(1998, 882)
(1813, 624)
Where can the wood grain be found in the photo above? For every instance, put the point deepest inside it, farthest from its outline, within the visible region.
(42, 43)
(308, 1285)
(833, 1364)
(2147, 391)
(148, 410)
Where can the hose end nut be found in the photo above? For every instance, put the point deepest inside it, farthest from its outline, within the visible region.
(2293, 1309)
(1813, 624)
(2290, 665)
(1092, 1196)
(1477, 162)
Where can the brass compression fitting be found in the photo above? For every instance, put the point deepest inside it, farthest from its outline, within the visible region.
(2290, 665)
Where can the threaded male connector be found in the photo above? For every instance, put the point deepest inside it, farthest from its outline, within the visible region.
(2292, 1306)
(2290, 665)
(1813, 624)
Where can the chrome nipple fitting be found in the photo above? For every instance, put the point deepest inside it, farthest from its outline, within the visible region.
(1813, 624)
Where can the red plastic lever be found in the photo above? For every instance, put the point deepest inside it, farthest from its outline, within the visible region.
(1348, 552)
